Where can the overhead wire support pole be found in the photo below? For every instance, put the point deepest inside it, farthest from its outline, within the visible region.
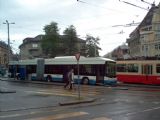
(8, 25)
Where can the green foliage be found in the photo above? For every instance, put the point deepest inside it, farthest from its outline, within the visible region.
(50, 41)
(92, 46)
(70, 40)
(67, 44)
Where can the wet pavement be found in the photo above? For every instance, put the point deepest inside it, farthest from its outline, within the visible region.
(41, 102)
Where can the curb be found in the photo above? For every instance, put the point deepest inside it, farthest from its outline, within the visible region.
(7, 91)
(62, 84)
(137, 85)
(76, 102)
(34, 82)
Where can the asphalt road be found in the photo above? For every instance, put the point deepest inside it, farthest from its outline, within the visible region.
(41, 102)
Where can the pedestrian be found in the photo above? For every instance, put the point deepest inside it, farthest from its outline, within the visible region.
(69, 79)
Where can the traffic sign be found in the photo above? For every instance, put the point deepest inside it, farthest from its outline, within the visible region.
(77, 55)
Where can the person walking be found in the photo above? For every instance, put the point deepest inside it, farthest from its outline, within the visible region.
(69, 81)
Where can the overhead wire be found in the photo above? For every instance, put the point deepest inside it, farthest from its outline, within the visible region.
(91, 4)
(134, 5)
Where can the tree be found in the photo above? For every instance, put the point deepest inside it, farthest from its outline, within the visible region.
(50, 41)
(92, 46)
(70, 40)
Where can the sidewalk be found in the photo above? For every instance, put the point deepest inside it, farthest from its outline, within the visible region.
(73, 101)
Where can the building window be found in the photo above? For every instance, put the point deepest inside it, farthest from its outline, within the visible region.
(142, 38)
(142, 47)
(146, 48)
(156, 47)
(157, 36)
(157, 27)
(34, 45)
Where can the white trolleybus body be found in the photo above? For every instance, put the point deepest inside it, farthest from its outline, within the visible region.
(92, 70)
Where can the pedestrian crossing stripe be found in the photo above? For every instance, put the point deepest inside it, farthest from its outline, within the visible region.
(101, 118)
(61, 116)
(63, 93)
(47, 93)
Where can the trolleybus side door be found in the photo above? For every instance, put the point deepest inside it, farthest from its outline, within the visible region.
(147, 71)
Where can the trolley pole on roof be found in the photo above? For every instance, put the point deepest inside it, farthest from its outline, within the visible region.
(77, 58)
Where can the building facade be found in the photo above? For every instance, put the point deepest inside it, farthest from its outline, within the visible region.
(121, 52)
(145, 39)
(3, 54)
(31, 48)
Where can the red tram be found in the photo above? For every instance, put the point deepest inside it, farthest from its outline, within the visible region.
(139, 71)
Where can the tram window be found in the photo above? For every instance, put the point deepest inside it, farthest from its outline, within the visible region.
(158, 68)
(132, 67)
(147, 69)
(121, 68)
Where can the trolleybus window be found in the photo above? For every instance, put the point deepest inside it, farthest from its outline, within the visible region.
(31, 69)
(110, 70)
(158, 68)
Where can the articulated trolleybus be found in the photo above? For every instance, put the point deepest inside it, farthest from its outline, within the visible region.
(92, 70)
(139, 71)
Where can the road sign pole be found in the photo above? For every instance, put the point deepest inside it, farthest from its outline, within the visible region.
(79, 93)
(77, 58)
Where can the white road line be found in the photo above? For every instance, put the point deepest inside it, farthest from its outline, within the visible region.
(47, 93)
(60, 93)
(30, 113)
(61, 116)
(146, 110)
(102, 118)
(7, 116)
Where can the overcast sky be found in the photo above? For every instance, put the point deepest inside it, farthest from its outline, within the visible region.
(94, 17)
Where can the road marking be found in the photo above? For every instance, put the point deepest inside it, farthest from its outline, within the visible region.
(13, 115)
(101, 118)
(30, 113)
(61, 116)
(146, 110)
(62, 93)
(47, 93)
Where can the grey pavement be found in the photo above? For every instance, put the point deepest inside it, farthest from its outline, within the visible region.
(19, 98)
(41, 101)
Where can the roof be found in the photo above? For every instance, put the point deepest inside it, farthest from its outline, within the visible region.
(82, 60)
(71, 60)
(147, 20)
(24, 62)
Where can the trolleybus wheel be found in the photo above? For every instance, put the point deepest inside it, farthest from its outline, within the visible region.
(49, 78)
(85, 81)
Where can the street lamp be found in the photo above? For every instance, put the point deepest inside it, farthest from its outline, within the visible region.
(7, 23)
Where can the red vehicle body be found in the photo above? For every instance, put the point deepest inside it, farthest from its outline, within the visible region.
(139, 71)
